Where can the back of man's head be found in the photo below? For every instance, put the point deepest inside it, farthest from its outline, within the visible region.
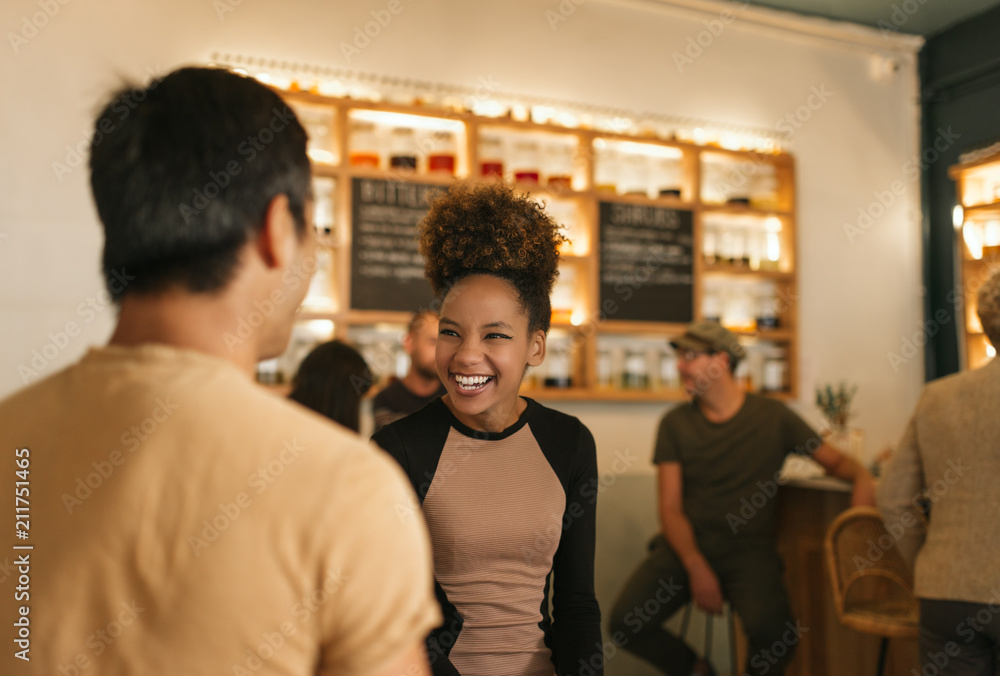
(182, 172)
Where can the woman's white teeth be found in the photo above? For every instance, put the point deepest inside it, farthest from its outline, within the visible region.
(472, 381)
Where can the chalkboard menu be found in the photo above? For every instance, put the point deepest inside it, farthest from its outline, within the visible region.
(646, 263)
(387, 270)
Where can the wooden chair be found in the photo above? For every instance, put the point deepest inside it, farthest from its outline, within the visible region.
(872, 586)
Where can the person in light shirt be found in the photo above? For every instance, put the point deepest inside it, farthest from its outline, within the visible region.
(183, 519)
(949, 460)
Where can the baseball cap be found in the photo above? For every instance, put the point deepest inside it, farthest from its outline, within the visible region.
(710, 337)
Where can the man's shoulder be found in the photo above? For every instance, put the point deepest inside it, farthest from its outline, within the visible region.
(982, 383)
(680, 412)
(761, 404)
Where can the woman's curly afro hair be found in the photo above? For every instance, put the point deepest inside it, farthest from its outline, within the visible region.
(487, 229)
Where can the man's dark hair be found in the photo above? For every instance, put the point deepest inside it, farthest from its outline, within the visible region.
(182, 173)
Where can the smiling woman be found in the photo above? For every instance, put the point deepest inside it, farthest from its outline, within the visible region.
(503, 481)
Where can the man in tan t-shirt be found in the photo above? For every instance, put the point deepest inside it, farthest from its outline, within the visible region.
(175, 518)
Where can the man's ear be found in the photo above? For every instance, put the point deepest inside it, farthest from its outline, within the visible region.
(536, 348)
(276, 240)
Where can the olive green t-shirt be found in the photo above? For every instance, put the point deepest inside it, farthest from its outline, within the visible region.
(730, 470)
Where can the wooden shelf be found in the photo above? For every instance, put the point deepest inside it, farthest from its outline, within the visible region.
(744, 271)
(743, 210)
(991, 209)
(973, 272)
(582, 213)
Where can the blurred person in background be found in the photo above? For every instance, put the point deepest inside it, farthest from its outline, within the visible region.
(421, 385)
(332, 380)
(949, 459)
(714, 453)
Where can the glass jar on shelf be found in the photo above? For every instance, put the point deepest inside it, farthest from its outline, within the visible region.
(711, 305)
(669, 177)
(737, 184)
(767, 315)
(634, 175)
(364, 145)
(775, 372)
(491, 155)
(606, 170)
(739, 255)
(318, 123)
(669, 375)
(403, 149)
(764, 188)
(635, 371)
(442, 156)
(713, 180)
(731, 244)
(771, 259)
(559, 166)
(653, 372)
(738, 312)
(320, 293)
(323, 211)
(525, 162)
(710, 243)
(557, 368)
(603, 368)
(756, 248)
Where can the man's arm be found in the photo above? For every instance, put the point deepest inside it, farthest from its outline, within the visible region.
(412, 663)
(843, 467)
(705, 588)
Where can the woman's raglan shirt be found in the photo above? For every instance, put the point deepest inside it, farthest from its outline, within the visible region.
(504, 511)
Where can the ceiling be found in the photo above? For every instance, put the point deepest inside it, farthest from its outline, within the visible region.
(925, 17)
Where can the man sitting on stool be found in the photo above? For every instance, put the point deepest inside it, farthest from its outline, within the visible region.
(714, 453)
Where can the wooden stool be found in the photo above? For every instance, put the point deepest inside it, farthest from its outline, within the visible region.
(708, 633)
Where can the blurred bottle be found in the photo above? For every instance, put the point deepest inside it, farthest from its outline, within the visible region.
(403, 149)
(525, 162)
(491, 157)
(442, 158)
(364, 145)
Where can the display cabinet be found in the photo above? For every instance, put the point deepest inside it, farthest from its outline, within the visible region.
(977, 226)
(662, 232)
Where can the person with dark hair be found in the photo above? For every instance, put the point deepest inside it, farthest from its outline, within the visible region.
(331, 380)
(949, 459)
(183, 519)
(723, 449)
(421, 384)
(506, 484)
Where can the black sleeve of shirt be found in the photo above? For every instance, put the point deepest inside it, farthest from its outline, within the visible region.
(576, 627)
(420, 462)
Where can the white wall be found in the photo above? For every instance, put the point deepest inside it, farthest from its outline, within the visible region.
(858, 300)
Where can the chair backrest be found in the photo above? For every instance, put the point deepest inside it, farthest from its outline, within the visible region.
(858, 546)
